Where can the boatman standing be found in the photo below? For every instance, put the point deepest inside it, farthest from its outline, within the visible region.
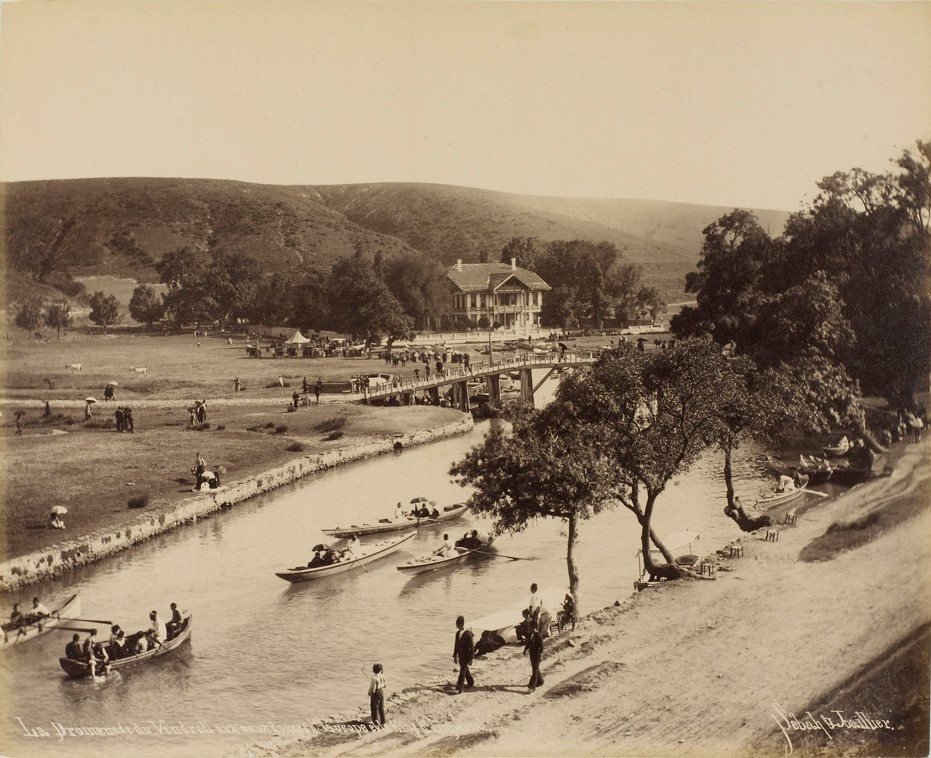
(157, 633)
(462, 654)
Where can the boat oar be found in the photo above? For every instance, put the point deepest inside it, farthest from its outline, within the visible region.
(86, 621)
(819, 494)
(501, 555)
(357, 559)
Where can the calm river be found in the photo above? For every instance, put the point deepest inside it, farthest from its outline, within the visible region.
(266, 652)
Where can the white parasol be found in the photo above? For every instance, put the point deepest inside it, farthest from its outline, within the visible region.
(90, 399)
(113, 384)
(59, 510)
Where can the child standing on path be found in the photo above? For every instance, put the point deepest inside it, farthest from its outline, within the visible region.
(377, 695)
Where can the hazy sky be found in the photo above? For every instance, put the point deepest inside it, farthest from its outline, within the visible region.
(732, 104)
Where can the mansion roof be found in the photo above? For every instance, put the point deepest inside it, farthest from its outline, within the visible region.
(486, 277)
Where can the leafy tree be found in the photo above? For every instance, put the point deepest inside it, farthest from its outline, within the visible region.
(622, 285)
(58, 317)
(546, 467)
(654, 413)
(650, 301)
(525, 249)
(234, 279)
(29, 314)
(362, 305)
(421, 286)
(190, 298)
(145, 305)
(105, 310)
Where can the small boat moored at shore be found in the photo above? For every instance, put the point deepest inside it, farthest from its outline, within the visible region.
(80, 669)
(448, 513)
(365, 554)
(788, 493)
(14, 635)
(433, 561)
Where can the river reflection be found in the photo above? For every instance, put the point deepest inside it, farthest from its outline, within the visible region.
(266, 652)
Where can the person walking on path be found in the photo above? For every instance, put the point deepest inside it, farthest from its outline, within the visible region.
(534, 646)
(236, 384)
(377, 695)
(462, 654)
(128, 419)
(318, 388)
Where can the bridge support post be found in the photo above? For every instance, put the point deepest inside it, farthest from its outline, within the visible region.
(494, 390)
(461, 396)
(526, 386)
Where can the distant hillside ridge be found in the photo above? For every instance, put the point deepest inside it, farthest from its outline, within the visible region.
(123, 226)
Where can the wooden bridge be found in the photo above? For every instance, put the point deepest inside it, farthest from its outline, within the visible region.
(458, 376)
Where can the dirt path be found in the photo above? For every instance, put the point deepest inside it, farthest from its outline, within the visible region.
(696, 667)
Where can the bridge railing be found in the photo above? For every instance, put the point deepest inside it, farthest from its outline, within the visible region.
(459, 372)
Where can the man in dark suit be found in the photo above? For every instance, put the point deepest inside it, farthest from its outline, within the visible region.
(534, 646)
(73, 649)
(462, 654)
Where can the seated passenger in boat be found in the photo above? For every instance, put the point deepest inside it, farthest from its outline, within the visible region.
(446, 549)
(73, 649)
(463, 541)
(118, 648)
(435, 513)
(16, 617)
(175, 623)
(329, 557)
(786, 484)
(317, 560)
(398, 511)
(424, 512)
(36, 613)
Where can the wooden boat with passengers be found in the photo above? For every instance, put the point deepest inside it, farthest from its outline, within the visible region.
(433, 561)
(448, 513)
(788, 493)
(365, 554)
(79, 669)
(14, 635)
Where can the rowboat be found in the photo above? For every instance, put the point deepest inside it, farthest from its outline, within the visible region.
(365, 554)
(79, 669)
(786, 496)
(14, 635)
(838, 450)
(449, 513)
(503, 624)
(432, 562)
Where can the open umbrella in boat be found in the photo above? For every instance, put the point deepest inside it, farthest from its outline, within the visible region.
(90, 399)
(59, 510)
(419, 500)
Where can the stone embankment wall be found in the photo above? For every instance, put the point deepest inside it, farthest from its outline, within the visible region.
(65, 556)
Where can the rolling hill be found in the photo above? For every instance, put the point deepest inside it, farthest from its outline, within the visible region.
(124, 225)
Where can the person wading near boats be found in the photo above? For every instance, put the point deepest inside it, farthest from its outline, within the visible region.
(377, 695)
(95, 654)
(534, 646)
(462, 654)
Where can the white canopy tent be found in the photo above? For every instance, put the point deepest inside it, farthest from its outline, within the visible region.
(297, 339)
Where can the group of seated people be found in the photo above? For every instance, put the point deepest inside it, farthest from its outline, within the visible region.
(424, 511)
(470, 541)
(120, 645)
(18, 619)
(327, 556)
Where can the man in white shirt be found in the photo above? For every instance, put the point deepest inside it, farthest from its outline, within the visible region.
(535, 604)
(447, 548)
(157, 633)
(398, 511)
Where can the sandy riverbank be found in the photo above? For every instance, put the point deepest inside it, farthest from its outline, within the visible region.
(708, 668)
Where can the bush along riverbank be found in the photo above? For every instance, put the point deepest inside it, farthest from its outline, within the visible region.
(65, 556)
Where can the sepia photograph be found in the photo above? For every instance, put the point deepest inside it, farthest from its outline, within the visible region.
(476, 379)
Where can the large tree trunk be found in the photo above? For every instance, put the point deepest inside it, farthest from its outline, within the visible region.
(667, 570)
(570, 561)
(734, 509)
(728, 477)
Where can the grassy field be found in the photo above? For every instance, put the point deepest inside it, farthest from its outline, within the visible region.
(88, 466)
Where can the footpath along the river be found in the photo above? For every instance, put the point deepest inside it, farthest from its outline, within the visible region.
(704, 668)
(64, 556)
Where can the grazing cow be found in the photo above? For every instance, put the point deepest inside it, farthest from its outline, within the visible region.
(142, 370)
(73, 366)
